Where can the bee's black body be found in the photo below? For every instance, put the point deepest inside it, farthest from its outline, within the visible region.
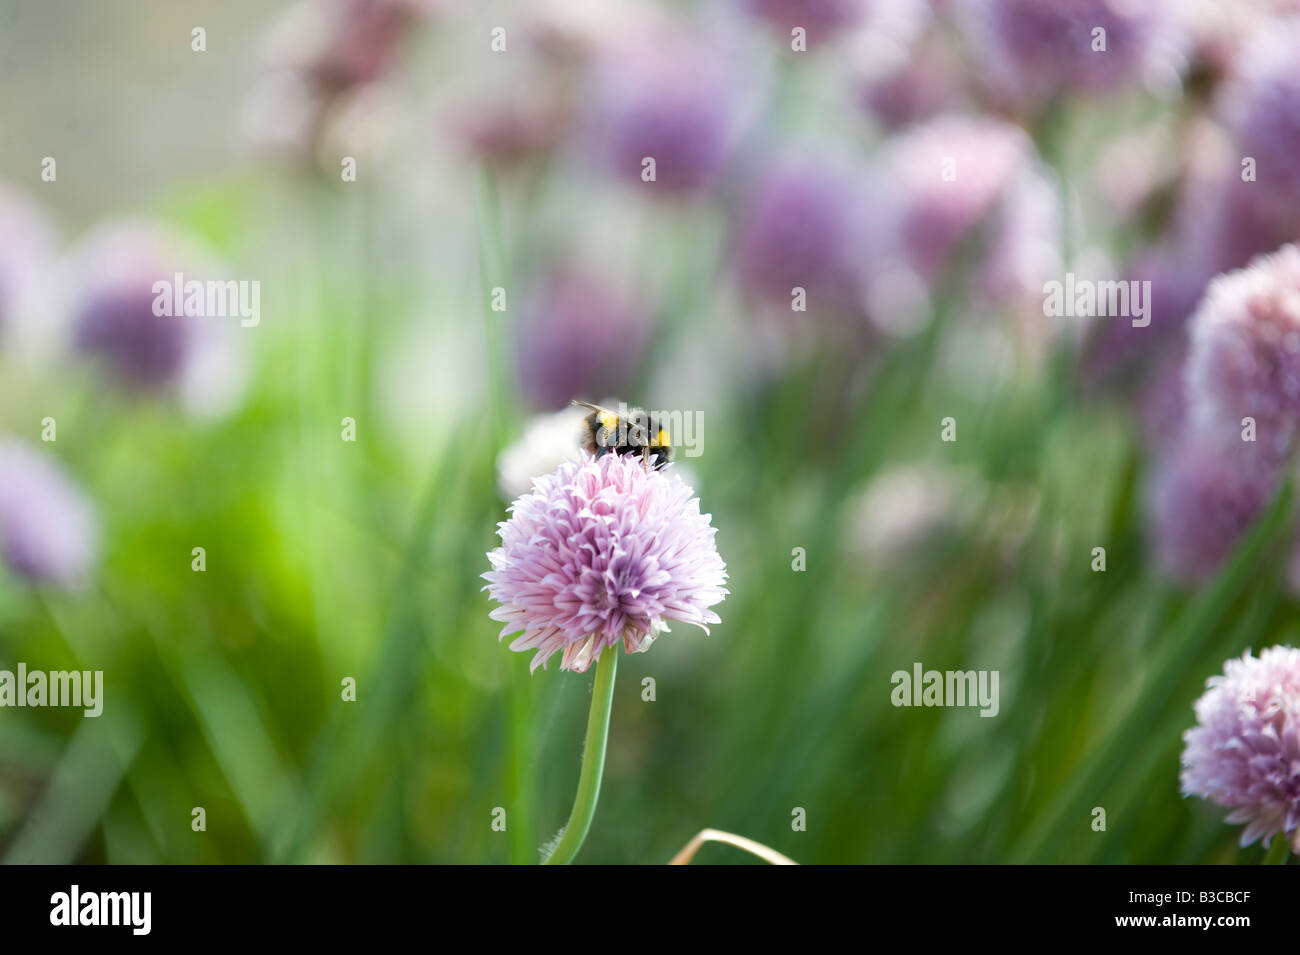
(638, 433)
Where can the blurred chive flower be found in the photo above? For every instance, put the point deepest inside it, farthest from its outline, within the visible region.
(317, 56)
(603, 552)
(1038, 48)
(48, 531)
(1245, 352)
(547, 442)
(666, 97)
(1263, 113)
(949, 175)
(195, 358)
(1244, 752)
(1204, 499)
(114, 318)
(803, 226)
(578, 335)
(925, 83)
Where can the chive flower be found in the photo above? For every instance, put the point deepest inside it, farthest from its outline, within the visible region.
(48, 529)
(1244, 752)
(603, 551)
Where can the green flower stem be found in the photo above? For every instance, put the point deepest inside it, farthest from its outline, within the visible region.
(593, 762)
(1279, 853)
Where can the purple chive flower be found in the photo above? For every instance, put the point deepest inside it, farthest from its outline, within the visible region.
(1240, 221)
(1263, 112)
(114, 317)
(603, 552)
(1245, 351)
(48, 532)
(578, 335)
(947, 176)
(26, 246)
(1244, 752)
(668, 98)
(1118, 346)
(926, 84)
(803, 226)
(1204, 499)
(508, 133)
(1035, 48)
(821, 20)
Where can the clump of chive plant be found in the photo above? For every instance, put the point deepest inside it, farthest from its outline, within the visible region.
(600, 553)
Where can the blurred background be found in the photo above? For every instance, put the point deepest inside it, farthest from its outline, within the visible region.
(842, 241)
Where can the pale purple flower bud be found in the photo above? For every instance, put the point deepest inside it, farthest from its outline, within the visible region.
(1245, 351)
(48, 532)
(578, 336)
(114, 315)
(1244, 752)
(804, 226)
(603, 552)
(667, 99)
(507, 132)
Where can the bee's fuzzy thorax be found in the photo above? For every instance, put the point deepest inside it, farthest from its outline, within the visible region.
(635, 432)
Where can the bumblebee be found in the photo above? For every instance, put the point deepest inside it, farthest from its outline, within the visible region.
(637, 432)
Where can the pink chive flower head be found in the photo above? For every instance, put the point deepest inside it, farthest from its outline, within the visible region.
(1245, 350)
(602, 551)
(1244, 752)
